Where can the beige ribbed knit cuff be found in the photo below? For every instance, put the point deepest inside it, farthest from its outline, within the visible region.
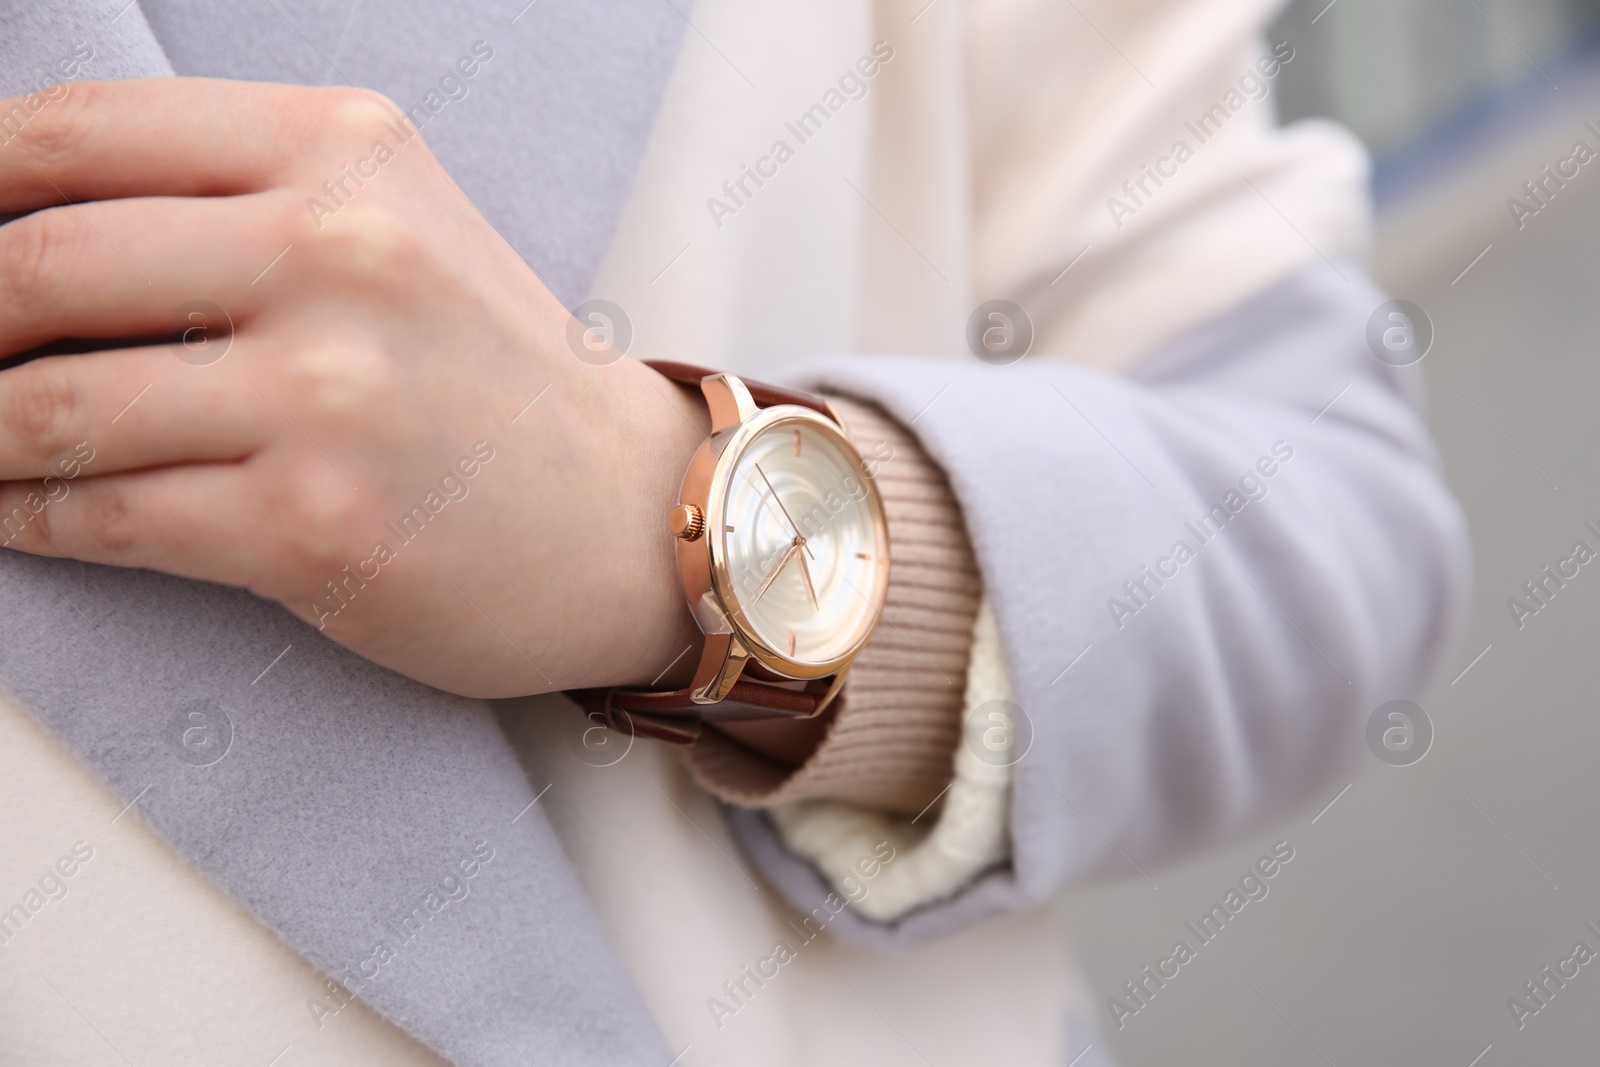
(892, 742)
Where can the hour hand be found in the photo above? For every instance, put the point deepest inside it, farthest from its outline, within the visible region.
(775, 572)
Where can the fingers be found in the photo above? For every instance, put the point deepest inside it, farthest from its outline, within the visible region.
(127, 268)
(129, 409)
(178, 137)
(182, 520)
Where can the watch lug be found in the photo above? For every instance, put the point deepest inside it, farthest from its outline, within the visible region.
(721, 664)
(730, 402)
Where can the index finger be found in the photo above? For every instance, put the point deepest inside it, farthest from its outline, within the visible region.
(175, 137)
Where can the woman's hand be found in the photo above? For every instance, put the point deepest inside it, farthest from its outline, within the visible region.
(397, 441)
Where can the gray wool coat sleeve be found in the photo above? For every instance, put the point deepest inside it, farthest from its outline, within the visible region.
(1323, 571)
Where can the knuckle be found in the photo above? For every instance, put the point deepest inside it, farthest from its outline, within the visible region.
(358, 115)
(32, 253)
(321, 511)
(57, 134)
(106, 520)
(362, 247)
(339, 385)
(40, 406)
(26, 520)
(361, 243)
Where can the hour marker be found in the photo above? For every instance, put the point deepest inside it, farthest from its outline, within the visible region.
(727, 529)
(791, 634)
(797, 442)
(863, 555)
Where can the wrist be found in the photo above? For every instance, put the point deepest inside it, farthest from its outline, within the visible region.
(653, 638)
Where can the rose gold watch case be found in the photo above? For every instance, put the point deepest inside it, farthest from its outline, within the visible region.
(731, 641)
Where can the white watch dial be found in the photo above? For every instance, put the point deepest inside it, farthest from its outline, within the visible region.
(801, 543)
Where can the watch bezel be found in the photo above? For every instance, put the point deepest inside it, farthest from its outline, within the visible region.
(707, 581)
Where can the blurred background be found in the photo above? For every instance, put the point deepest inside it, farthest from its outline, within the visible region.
(1423, 897)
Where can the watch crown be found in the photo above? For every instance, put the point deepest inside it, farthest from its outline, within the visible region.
(686, 521)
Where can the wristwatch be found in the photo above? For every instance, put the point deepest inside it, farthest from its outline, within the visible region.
(783, 550)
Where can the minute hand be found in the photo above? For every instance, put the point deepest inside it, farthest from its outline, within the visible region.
(805, 572)
(779, 501)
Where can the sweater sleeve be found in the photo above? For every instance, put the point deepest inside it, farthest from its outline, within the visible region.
(1205, 577)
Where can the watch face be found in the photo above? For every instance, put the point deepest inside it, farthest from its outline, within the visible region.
(803, 542)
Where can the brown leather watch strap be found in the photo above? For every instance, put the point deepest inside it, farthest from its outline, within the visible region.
(763, 394)
(670, 715)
